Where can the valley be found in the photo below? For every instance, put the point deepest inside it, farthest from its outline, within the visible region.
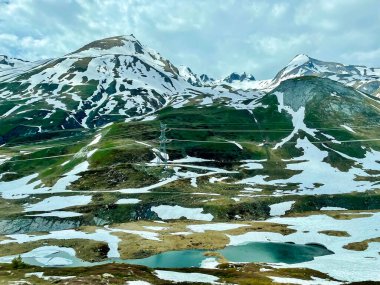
(88, 182)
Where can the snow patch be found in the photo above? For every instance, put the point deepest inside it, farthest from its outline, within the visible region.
(155, 228)
(166, 212)
(71, 176)
(96, 140)
(189, 159)
(280, 209)
(127, 201)
(209, 263)
(348, 128)
(58, 202)
(98, 235)
(237, 144)
(185, 277)
(297, 120)
(59, 214)
(332, 209)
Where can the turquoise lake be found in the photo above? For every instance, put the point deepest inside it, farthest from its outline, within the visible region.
(252, 252)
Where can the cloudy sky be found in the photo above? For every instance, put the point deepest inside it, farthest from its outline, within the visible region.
(211, 36)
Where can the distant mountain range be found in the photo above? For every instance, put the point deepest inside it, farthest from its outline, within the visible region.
(118, 78)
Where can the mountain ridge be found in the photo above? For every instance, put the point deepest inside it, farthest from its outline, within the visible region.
(118, 78)
(10, 62)
(365, 79)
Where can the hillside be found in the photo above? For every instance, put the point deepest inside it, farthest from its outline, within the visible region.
(293, 159)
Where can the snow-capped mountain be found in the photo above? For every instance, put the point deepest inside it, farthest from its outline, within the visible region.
(118, 78)
(234, 76)
(206, 79)
(363, 78)
(107, 80)
(244, 81)
(113, 76)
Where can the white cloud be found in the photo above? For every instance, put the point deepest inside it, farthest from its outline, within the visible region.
(274, 45)
(8, 38)
(29, 42)
(279, 9)
(362, 57)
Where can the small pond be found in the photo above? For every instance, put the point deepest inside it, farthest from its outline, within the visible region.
(252, 252)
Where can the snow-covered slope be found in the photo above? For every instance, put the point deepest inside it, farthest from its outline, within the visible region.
(264, 85)
(186, 73)
(244, 81)
(363, 78)
(113, 76)
(9, 62)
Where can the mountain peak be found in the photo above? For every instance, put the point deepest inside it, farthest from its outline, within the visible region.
(130, 37)
(234, 76)
(299, 59)
(205, 78)
(297, 62)
(188, 74)
(365, 79)
(125, 44)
